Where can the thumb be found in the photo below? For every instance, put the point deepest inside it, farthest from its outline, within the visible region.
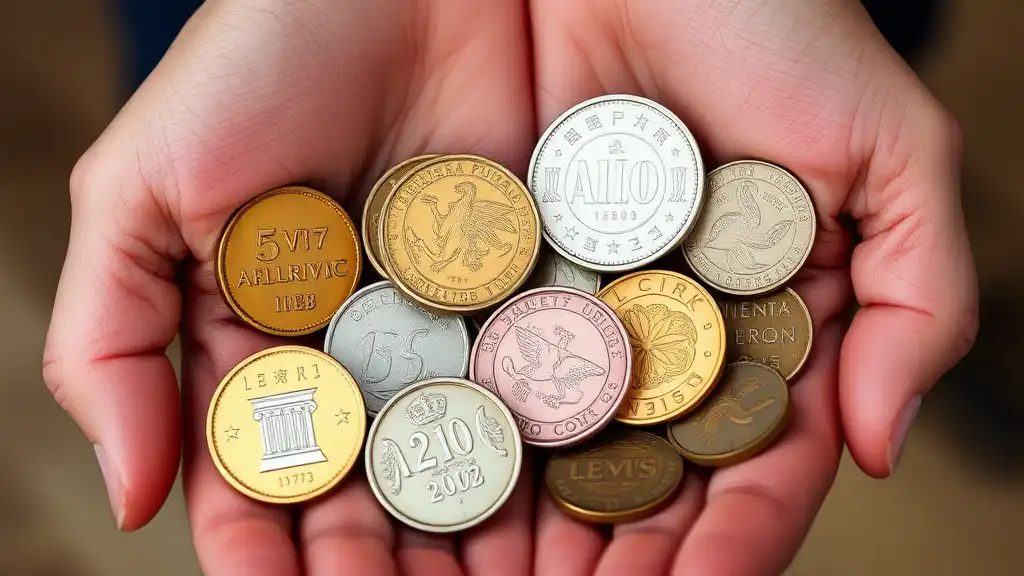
(116, 311)
(913, 276)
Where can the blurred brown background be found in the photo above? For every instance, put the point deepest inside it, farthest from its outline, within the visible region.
(956, 506)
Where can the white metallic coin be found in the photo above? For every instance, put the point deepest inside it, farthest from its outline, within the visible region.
(443, 455)
(387, 342)
(619, 182)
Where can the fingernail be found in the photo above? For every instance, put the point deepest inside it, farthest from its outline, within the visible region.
(112, 479)
(899, 432)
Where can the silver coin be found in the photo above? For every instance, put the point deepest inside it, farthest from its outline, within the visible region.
(388, 342)
(619, 182)
(443, 455)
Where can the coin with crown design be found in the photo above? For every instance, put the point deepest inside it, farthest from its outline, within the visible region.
(443, 455)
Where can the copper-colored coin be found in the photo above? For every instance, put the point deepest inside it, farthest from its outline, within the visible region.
(747, 412)
(774, 330)
(622, 475)
(287, 260)
(755, 231)
(375, 205)
(459, 234)
(677, 336)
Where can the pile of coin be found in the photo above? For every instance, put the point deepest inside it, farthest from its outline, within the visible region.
(582, 343)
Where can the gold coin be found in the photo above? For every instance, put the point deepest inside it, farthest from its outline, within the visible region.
(287, 261)
(375, 205)
(774, 330)
(747, 412)
(678, 340)
(622, 475)
(286, 424)
(755, 231)
(459, 234)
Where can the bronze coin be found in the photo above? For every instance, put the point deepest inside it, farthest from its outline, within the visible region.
(774, 330)
(621, 475)
(745, 414)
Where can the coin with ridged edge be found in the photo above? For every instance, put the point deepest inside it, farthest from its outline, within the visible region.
(443, 455)
(388, 342)
(286, 425)
(747, 412)
(622, 475)
(287, 260)
(375, 204)
(678, 339)
(459, 234)
(756, 230)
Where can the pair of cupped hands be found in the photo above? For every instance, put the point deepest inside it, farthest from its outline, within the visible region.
(256, 94)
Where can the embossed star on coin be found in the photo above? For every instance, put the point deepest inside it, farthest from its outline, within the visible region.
(756, 231)
(388, 342)
(559, 359)
(287, 259)
(617, 180)
(443, 455)
(282, 445)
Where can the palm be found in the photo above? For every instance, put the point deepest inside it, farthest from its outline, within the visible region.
(253, 97)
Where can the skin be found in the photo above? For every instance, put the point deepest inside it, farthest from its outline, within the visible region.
(256, 94)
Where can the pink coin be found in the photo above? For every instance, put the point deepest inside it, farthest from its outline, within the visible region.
(560, 360)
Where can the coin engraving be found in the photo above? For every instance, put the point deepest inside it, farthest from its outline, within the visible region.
(278, 413)
(774, 330)
(742, 417)
(443, 455)
(618, 180)
(622, 475)
(677, 336)
(459, 234)
(558, 358)
(375, 204)
(756, 231)
(387, 342)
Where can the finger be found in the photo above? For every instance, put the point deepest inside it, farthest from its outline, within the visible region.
(656, 538)
(232, 533)
(425, 554)
(565, 546)
(504, 543)
(116, 311)
(914, 278)
(758, 512)
(347, 531)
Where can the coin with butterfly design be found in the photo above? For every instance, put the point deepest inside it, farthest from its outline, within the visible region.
(443, 455)
(756, 230)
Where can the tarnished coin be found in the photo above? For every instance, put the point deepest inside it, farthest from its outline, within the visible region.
(621, 475)
(756, 230)
(286, 424)
(375, 205)
(459, 234)
(774, 330)
(287, 260)
(443, 455)
(559, 359)
(678, 340)
(619, 182)
(747, 412)
(388, 342)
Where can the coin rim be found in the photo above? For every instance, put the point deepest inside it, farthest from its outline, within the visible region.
(449, 309)
(399, 515)
(372, 288)
(758, 445)
(677, 240)
(608, 417)
(343, 471)
(364, 221)
(719, 367)
(222, 247)
(810, 244)
(632, 515)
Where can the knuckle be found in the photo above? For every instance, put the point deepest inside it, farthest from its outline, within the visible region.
(966, 330)
(53, 376)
